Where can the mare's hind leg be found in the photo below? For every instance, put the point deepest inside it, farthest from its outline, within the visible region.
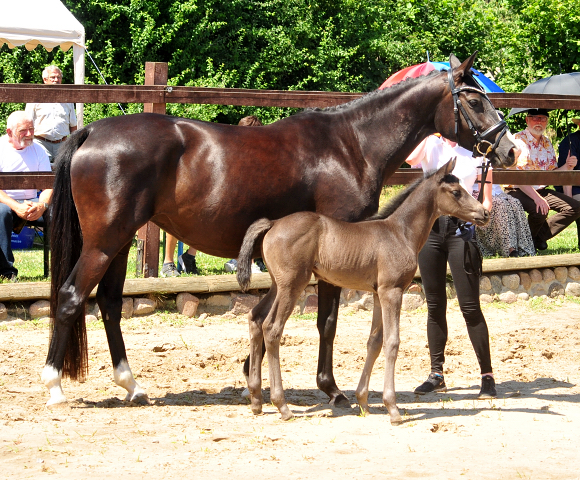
(328, 302)
(110, 300)
(71, 301)
(374, 345)
(255, 321)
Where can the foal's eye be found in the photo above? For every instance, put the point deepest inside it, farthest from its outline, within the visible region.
(456, 193)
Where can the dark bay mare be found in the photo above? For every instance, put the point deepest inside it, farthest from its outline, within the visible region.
(377, 255)
(206, 183)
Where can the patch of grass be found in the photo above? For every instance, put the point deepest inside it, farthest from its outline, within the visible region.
(306, 316)
(31, 268)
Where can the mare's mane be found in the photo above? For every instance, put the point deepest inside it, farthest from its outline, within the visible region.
(392, 90)
(396, 202)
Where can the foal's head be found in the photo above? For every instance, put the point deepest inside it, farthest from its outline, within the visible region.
(452, 199)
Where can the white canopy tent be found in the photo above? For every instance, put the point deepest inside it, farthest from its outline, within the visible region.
(48, 23)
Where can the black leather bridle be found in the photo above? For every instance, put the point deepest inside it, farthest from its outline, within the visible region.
(484, 142)
(481, 139)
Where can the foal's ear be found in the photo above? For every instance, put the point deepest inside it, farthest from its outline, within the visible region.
(449, 166)
(460, 69)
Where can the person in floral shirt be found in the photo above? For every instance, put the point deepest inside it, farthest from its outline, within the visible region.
(537, 153)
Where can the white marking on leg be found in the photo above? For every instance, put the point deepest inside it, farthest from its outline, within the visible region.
(51, 377)
(246, 392)
(124, 378)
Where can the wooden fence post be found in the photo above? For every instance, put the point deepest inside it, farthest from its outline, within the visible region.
(148, 235)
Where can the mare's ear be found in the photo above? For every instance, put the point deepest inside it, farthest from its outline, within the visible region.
(461, 69)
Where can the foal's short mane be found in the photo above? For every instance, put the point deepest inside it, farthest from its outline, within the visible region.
(396, 202)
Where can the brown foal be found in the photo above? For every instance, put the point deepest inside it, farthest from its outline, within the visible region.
(377, 255)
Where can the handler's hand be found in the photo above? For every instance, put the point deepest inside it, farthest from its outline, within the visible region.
(542, 205)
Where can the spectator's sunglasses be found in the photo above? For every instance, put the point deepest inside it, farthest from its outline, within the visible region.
(538, 118)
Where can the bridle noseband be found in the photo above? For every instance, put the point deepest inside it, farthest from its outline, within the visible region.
(481, 139)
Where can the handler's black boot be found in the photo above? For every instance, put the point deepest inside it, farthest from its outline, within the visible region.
(435, 383)
(487, 388)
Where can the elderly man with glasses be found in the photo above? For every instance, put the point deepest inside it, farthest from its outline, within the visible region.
(537, 153)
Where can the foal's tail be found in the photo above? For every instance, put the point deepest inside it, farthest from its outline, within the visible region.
(255, 231)
(65, 247)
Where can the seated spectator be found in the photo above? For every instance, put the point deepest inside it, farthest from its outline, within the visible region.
(570, 147)
(19, 153)
(507, 234)
(537, 153)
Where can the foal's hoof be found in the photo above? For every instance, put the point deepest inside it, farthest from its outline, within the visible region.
(396, 420)
(256, 406)
(286, 413)
(340, 401)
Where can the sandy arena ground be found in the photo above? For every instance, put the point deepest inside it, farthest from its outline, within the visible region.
(199, 427)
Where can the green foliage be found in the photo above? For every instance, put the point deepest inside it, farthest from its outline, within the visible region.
(339, 45)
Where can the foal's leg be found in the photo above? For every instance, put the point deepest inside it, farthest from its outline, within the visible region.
(254, 375)
(374, 345)
(391, 299)
(328, 302)
(71, 300)
(288, 292)
(110, 300)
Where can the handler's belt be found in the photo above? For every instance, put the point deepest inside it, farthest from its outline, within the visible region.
(49, 141)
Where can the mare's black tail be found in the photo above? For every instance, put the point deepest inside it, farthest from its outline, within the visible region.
(65, 247)
(254, 232)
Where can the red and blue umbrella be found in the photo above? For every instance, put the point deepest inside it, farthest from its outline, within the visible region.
(415, 71)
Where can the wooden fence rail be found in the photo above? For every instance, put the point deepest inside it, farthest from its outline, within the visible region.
(155, 94)
(28, 93)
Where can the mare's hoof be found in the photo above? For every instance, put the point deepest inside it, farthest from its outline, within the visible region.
(340, 401)
(57, 402)
(140, 399)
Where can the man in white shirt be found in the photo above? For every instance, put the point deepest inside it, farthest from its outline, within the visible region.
(53, 122)
(19, 153)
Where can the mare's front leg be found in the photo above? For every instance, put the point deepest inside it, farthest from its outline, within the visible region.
(328, 302)
(391, 300)
(374, 345)
(254, 373)
(110, 300)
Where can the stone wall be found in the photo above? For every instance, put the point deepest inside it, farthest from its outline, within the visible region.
(507, 287)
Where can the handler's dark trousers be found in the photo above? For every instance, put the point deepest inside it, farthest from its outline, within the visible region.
(443, 246)
(541, 227)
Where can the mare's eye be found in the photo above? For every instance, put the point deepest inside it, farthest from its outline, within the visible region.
(473, 103)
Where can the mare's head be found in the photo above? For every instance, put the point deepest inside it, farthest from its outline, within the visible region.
(467, 116)
(452, 199)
